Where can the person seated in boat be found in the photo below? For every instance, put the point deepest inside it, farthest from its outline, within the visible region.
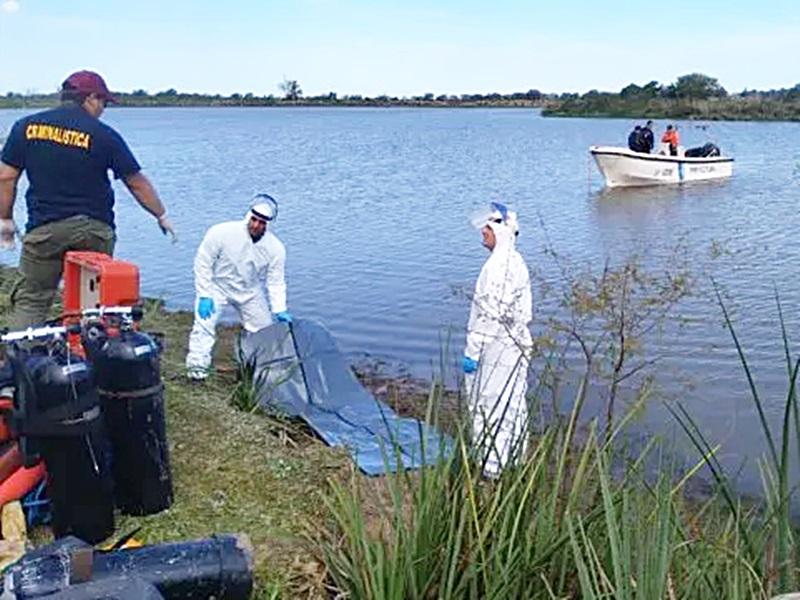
(671, 137)
(647, 138)
(635, 139)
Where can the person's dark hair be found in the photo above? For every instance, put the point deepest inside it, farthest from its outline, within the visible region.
(637, 128)
(648, 123)
(669, 127)
(70, 94)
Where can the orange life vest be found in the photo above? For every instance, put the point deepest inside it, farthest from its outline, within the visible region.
(670, 137)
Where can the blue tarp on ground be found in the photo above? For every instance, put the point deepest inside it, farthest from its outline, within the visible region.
(302, 372)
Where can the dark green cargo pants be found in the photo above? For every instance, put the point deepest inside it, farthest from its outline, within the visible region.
(42, 262)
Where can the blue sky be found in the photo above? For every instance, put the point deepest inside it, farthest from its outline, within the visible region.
(398, 48)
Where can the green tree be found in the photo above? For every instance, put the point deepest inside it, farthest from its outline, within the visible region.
(650, 90)
(630, 91)
(291, 89)
(793, 94)
(697, 86)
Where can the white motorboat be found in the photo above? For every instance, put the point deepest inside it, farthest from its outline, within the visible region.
(625, 168)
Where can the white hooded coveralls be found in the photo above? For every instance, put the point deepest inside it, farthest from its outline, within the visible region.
(229, 268)
(499, 339)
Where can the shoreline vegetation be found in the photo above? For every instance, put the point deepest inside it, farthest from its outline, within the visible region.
(579, 516)
(693, 96)
(174, 98)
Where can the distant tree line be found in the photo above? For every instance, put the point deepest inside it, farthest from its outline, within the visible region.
(292, 95)
(693, 96)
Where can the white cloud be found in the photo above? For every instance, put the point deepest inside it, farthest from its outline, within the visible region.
(9, 6)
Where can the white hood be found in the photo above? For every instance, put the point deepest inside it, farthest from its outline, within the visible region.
(503, 223)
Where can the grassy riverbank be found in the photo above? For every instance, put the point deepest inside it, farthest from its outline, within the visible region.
(243, 472)
(233, 471)
(577, 518)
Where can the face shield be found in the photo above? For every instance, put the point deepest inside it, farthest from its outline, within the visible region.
(494, 213)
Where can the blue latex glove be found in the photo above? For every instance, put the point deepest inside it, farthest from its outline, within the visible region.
(284, 317)
(205, 308)
(469, 365)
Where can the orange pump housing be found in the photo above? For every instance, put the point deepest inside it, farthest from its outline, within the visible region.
(94, 279)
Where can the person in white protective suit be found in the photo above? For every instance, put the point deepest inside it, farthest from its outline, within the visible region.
(232, 261)
(499, 344)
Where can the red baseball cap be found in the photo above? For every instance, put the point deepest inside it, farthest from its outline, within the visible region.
(88, 82)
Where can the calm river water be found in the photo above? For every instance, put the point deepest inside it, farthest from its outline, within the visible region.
(374, 206)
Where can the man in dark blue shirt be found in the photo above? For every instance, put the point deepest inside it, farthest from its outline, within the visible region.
(635, 139)
(66, 153)
(647, 137)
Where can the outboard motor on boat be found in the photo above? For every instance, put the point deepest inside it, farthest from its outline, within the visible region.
(127, 368)
(704, 151)
(57, 416)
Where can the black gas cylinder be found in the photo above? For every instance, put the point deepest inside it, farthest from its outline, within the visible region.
(128, 375)
(57, 414)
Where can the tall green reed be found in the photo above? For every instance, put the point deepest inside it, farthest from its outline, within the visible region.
(447, 532)
(768, 535)
(565, 521)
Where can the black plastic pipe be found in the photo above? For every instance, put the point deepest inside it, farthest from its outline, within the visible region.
(219, 567)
